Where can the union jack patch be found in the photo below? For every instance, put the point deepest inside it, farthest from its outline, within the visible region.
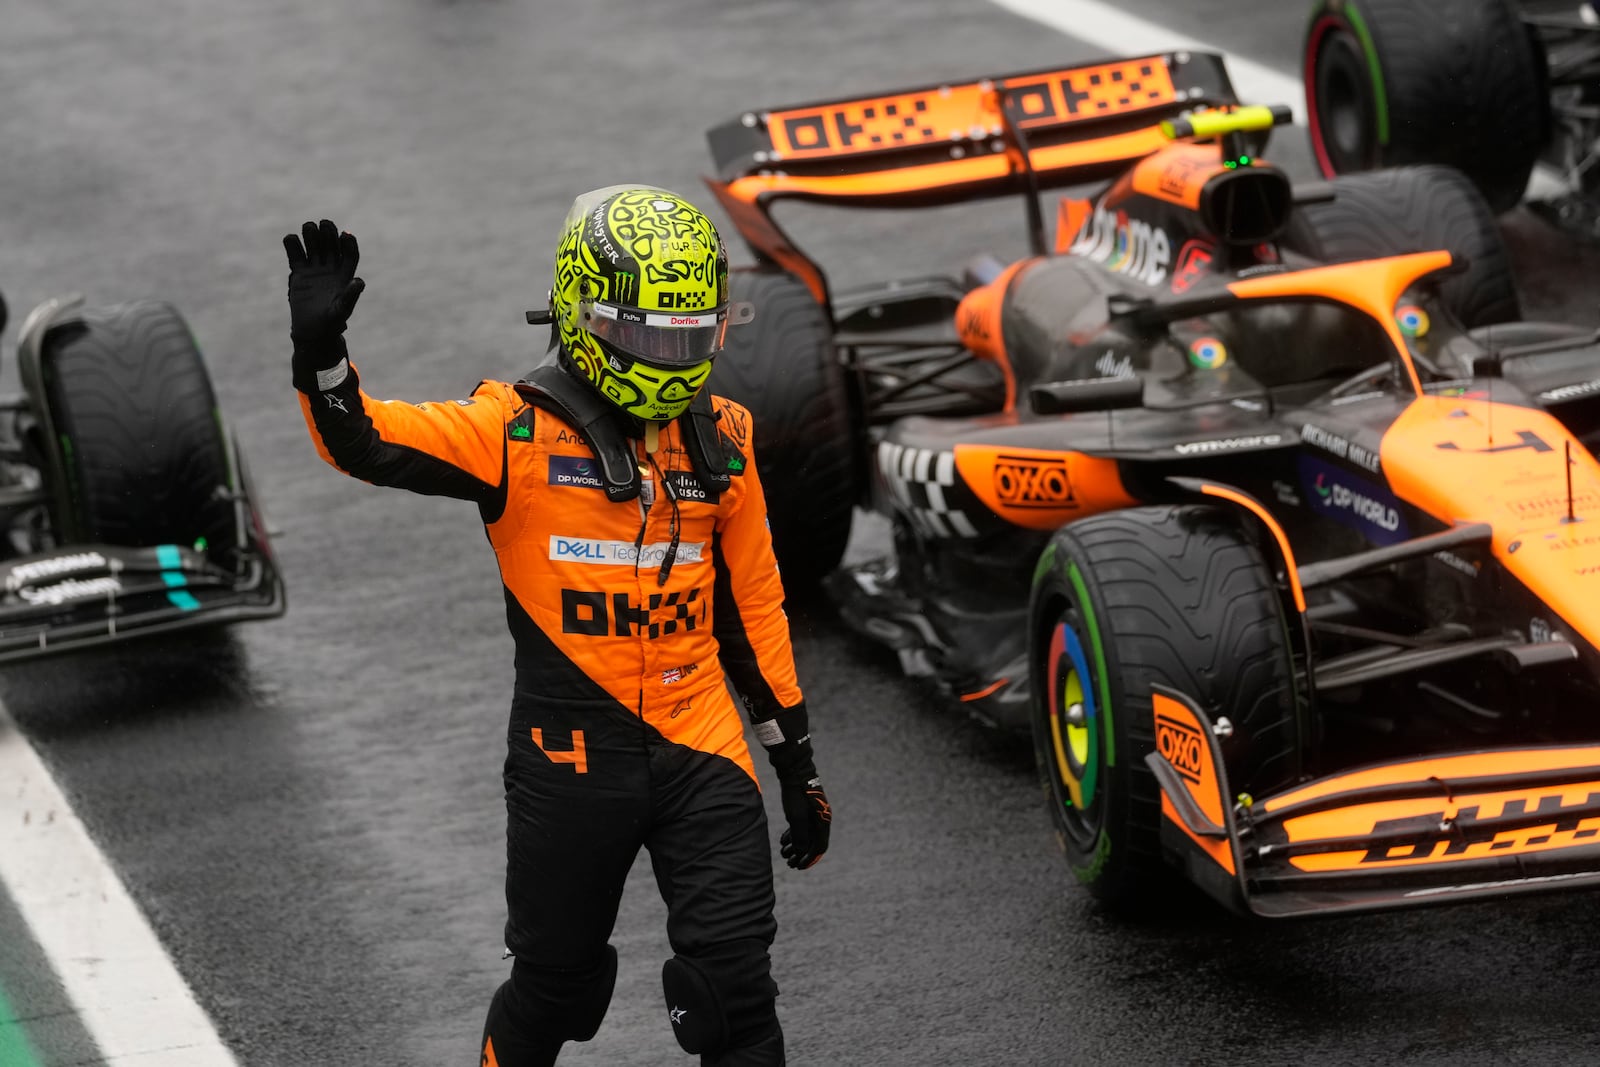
(678, 674)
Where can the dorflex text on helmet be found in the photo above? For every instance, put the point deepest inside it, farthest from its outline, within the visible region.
(640, 299)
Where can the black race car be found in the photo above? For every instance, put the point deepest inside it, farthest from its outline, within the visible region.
(126, 506)
(1256, 504)
(1491, 87)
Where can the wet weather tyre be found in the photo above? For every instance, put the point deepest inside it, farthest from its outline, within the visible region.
(1396, 82)
(1173, 595)
(1415, 209)
(142, 443)
(783, 368)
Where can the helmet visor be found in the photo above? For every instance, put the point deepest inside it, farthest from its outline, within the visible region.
(657, 337)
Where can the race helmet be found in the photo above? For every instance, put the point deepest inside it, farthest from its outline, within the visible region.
(640, 301)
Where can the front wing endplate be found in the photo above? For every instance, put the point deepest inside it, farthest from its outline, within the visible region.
(1395, 834)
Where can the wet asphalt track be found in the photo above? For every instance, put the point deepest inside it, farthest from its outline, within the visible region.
(309, 810)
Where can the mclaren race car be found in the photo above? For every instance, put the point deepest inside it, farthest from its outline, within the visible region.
(126, 506)
(1492, 87)
(1255, 504)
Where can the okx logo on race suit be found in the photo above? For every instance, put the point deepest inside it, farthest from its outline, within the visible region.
(600, 614)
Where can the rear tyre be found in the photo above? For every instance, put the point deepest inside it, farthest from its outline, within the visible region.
(783, 368)
(1396, 82)
(141, 439)
(1175, 595)
(1415, 209)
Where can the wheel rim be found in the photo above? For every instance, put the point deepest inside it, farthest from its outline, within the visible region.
(1341, 107)
(1076, 748)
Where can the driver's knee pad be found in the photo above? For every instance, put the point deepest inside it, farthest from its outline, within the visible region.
(590, 1010)
(563, 1004)
(695, 1007)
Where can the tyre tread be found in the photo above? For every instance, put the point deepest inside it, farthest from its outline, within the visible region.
(129, 388)
(803, 433)
(1415, 209)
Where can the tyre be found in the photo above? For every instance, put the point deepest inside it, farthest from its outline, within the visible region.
(142, 444)
(1171, 595)
(1415, 209)
(1396, 82)
(782, 366)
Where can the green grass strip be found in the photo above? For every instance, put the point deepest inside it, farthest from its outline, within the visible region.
(15, 1051)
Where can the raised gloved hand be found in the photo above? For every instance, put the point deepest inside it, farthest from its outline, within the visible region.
(787, 739)
(323, 291)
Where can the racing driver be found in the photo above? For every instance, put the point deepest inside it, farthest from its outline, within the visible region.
(626, 514)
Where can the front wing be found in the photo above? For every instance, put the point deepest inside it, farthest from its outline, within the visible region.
(1388, 835)
(83, 595)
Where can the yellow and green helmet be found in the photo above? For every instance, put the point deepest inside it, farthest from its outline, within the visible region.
(640, 300)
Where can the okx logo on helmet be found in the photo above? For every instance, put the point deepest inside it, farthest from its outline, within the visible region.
(640, 299)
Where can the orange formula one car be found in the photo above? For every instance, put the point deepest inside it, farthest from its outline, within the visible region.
(1255, 504)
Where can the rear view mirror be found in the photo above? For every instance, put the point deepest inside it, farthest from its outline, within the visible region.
(1087, 394)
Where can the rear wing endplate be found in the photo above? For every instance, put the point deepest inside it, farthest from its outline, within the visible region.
(943, 143)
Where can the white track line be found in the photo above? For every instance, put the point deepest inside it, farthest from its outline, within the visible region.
(128, 995)
(1121, 34)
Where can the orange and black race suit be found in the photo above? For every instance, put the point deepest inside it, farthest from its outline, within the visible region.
(623, 734)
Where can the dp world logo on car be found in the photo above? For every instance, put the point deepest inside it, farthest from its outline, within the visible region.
(1351, 501)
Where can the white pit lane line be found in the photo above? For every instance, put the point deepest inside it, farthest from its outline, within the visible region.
(125, 989)
(1120, 34)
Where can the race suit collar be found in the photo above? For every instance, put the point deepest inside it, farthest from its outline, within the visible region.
(602, 425)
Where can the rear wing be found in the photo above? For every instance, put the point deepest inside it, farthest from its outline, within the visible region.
(939, 144)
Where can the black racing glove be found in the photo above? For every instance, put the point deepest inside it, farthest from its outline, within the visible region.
(787, 738)
(323, 290)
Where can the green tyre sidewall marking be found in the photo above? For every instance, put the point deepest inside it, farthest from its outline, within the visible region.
(227, 448)
(1102, 855)
(1380, 98)
(1047, 560)
(69, 464)
(1102, 681)
(1102, 849)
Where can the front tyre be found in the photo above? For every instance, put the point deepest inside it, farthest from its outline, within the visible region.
(1172, 595)
(142, 444)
